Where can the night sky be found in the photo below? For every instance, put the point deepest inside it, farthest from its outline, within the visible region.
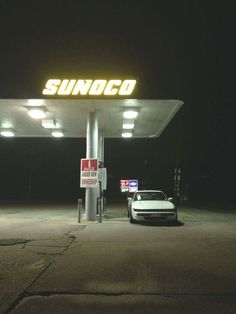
(175, 49)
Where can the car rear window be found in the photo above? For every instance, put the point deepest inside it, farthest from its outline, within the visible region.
(149, 196)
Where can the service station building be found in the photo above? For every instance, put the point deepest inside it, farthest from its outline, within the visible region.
(95, 109)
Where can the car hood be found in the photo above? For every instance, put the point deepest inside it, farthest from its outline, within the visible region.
(153, 205)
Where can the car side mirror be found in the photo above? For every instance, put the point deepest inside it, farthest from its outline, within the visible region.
(129, 199)
(170, 199)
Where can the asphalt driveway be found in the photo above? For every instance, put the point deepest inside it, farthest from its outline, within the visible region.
(51, 264)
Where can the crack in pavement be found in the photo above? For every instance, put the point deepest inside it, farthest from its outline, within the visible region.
(58, 293)
(27, 297)
(24, 292)
(7, 242)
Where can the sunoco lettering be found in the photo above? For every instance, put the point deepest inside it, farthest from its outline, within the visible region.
(89, 87)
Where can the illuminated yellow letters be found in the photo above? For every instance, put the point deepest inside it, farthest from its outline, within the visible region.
(97, 87)
(127, 87)
(110, 90)
(82, 87)
(66, 87)
(51, 87)
(89, 87)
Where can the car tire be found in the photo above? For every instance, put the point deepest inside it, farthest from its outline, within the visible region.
(132, 220)
(176, 219)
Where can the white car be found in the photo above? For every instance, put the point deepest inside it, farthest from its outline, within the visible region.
(151, 205)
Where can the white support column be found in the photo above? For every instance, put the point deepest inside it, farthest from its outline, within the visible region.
(91, 152)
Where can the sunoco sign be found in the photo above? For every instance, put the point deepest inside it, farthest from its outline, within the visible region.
(75, 87)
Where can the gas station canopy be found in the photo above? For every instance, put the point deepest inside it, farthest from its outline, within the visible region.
(93, 118)
(70, 116)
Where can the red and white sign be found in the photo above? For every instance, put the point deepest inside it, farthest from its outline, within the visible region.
(124, 185)
(89, 173)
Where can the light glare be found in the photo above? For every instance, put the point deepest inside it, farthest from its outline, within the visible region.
(130, 114)
(128, 126)
(7, 133)
(35, 102)
(57, 134)
(49, 124)
(37, 113)
(126, 134)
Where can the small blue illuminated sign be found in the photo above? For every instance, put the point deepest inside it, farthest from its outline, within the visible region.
(133, 185)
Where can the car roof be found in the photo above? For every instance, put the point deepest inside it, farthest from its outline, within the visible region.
(149, 191)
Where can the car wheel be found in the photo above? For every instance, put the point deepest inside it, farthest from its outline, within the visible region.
(176, 220)
(131, 220)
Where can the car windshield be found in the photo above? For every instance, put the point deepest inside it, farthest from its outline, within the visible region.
(149, 196)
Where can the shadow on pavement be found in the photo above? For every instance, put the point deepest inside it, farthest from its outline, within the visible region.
(162, 223)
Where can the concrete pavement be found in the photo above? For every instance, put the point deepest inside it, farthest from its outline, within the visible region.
(115, 266)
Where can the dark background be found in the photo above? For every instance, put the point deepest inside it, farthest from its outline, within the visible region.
(176, 49)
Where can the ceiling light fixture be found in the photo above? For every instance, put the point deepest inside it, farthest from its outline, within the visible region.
(50, 124)
(58, 133)
(35, 102)
(126, 134)
(130, 114)
(128, 126)
(37, 113)
(7, 133)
